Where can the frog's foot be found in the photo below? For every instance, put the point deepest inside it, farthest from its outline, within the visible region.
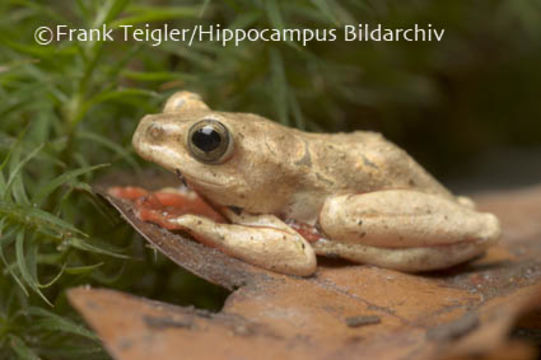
(405, 230)
(265, 242)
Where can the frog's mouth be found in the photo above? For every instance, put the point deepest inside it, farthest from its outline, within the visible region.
(186, 182)
(186, 185)
(181, 178)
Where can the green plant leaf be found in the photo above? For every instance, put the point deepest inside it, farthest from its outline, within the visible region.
(101, 248)
(109, 11)
(27, 264)
(326, 10)
(147, 14)
(5, 240)
(204, 8)
(105, 142)
(77, 270)
(52, 185)
(162, 76)
(274, 14)
(123, 95)
(22, 350)
(54, 279)
(42, 10)
(37, 219)
(53, 322)
(15, 177)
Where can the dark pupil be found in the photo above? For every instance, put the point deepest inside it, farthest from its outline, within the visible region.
(206, 138)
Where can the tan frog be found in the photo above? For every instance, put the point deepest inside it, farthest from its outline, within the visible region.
(290, 195)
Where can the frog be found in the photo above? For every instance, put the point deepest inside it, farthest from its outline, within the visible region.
(289, 196)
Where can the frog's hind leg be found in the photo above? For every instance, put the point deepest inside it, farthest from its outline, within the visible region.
(404, 229)
(403, 259)
(263, 241)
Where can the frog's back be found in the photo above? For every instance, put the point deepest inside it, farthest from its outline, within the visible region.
(365, 161)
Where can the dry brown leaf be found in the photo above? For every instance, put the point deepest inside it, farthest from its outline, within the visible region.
(344, 311)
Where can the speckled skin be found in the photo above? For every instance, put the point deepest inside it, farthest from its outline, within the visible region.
(371, 200)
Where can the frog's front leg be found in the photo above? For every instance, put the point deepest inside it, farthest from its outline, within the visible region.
(404, 229)
(263, 240)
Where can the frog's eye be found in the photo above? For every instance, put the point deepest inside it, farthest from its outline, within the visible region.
(209, 141)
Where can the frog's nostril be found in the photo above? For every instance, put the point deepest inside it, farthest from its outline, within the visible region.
(155, 132)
